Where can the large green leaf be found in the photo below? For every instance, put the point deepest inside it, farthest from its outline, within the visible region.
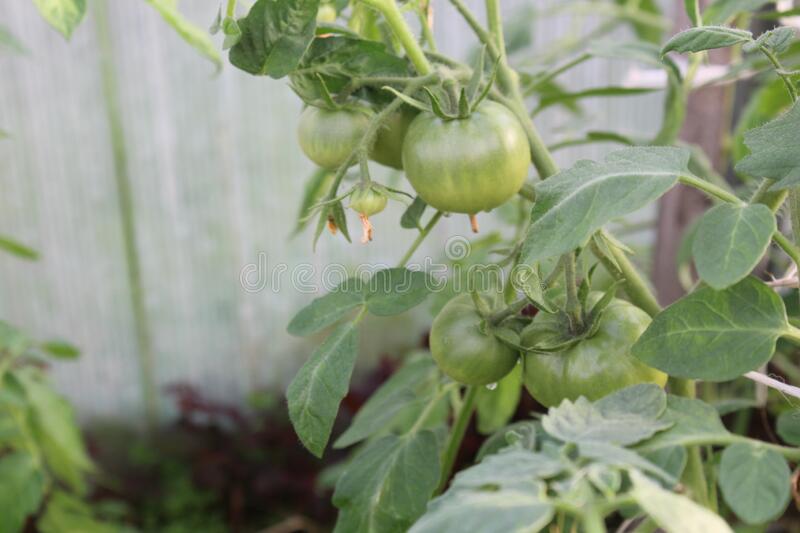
(63, 15)
(196, 37)
(327, 309)
(692, 421)
(715, 335)
(275, 35)
(317, 390)
(405, 391)
(494, 407)
(21, 490)
(775, 150)
(672, 512)
(755, 482)
(56, 430)
(498, 495)
(705, 38)
(575, 203)
(387, 485)
(721, 11)
(394, 290)
(730, 241)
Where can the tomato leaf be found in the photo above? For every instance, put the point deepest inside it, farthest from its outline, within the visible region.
(275, 35)
(63, 15)
(495, 407)
(21, 491)
(328, 309)
(495, 496)
(691, 420)
(755, 482)
(317, 390)
(672, 512)
(788, 427)
(413, 213)
(777, 40)
(611, 421)
(775, 150)
(394, 290)
(575, 203)
(705, 38)
(729, 242)
(388, 484)
(715, 335)
(61, 349)
(619, 457)
(721, 11)
(190, 33)
(406, 390)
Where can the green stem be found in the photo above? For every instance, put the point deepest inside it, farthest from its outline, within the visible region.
(456, 436)
(421, 237)
(787, 246)
(779, 70)
(573, 307)
(127, 219)
(528, 192)
(230, 11)
(512, 309)
(635, 286)
(592, 521)
(494, 16)
(394, 18)
(694, 476)
(772, 199)
(711, 189)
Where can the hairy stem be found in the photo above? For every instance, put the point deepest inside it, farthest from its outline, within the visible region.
(394, 18)
(456, 436)
(573, 307)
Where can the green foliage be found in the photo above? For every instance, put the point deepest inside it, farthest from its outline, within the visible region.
(275, 35)
(722, 11)
(63, 15)
(21, 491)
(755, 482)
(775, 150)
(738, 336)
(574, 204)
(729, 242)
(788, 427)
(706, 38)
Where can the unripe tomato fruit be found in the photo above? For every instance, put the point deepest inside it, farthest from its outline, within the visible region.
(326, 14)
(388, 147)
(328, 137)
(463, 351)
(594, 367)
(366, 201)
(467, 165)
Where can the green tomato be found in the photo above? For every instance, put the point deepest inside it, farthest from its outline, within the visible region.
(326, 14)
(463, 351)
(594, 367)
(388, 147)
(328, 137)
(367, 201)
(467, 165)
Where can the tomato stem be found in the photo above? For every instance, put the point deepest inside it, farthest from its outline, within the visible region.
(456, 436)
(394, 18)
(512, 309)
(573, 307)
(421, 237)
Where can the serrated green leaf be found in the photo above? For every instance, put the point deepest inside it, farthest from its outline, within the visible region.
(619, 457)
(729, 242)
(513, 468)
(715, 335)
(405, 390)
(386, 487)
(394, 290)
(329, 309)
(21, 491)
(705, 38)
(646, 400)
(495, 407)
(20, 250)
(755, 482)
(63, 15)
(575, 203)
(61, 349)
(582, 421)
(672, 512)
(193, 35)
(275, 35)
(318, 388)
(788, 427)
(767, 102)
(692, 421)
(775, 150)
(721, 11)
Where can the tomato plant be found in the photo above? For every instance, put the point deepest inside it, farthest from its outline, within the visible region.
(631, 434)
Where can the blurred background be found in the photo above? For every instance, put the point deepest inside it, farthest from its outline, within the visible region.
(162, 195)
